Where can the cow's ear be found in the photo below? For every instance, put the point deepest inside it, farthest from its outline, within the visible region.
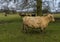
(51, 17)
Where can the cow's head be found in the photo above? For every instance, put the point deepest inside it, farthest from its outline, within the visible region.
(51, 17)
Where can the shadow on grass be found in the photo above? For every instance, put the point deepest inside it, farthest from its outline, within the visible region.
(38, 32)
(34, 31)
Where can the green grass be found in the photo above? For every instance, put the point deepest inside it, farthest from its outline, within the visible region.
(11, 31)
(57, 15)
(9, 18)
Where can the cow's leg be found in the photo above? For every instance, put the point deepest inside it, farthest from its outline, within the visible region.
(43, 30)
(25, 28)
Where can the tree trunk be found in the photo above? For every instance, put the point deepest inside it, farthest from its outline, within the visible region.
(25, 2)
(39, 7)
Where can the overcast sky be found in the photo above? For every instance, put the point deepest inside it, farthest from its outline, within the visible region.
(53, 4)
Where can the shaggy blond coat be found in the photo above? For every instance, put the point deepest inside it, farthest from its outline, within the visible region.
(38, 21)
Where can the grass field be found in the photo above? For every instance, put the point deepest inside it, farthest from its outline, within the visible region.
(11, 31)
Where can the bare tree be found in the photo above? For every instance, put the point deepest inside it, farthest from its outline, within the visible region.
(39, 7)
(26, 2)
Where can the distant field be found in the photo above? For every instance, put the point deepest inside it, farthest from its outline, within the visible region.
(11, 31)
(57, 15)
(9, 18)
